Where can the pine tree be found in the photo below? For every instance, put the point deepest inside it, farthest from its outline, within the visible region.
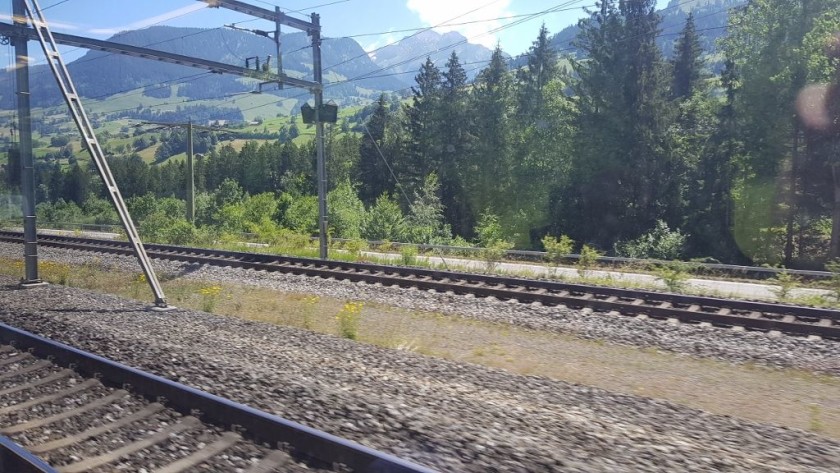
(687, 62)
(425, 146)
(374, 177)
(490, 159)
(542, 67)
(621, 167)
(455, 122)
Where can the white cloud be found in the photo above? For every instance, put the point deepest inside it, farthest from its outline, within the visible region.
(51, 24)
(151, 21)
(437, 12)
(379, 42)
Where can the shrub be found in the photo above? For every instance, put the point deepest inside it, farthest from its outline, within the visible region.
(384, 220)
(409, 255)
(302, 215)
(660, 243)
(834, 267)
(347, 213)
(491, 238)
(785, 282)
(588, 257)
(355, 247)
(556, 248)
(673, 275)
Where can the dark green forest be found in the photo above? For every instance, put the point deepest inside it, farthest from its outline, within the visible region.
(620, 148)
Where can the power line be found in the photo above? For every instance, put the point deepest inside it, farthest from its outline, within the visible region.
(411, 36)
(54, 5)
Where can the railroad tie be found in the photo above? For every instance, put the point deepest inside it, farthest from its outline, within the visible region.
(274, 460)
(226, 441)
(161, 436)
(149, 410)
(35, 423)
(46, 380)
(14, 359)
(38, 365)
(51, 397)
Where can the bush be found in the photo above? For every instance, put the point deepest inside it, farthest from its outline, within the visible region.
(409, 255)
(384, 220)
(302, 215)
(834, 267)
(556, 249)
(491, 238)
(785, 282)
(355, 247)
(495, 253)
(674, 276)
(660, 243)
(588, 257)
(347, 212)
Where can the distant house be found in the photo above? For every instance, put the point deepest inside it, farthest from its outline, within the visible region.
(217, 123)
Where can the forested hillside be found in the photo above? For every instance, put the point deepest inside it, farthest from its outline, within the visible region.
(627, 151)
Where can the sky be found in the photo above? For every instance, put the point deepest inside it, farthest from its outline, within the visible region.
(373, 23)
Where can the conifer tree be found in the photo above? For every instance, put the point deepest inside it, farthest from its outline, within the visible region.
(687, 62)
(621, 168)
(541, 68)
(374, 177)
(425, 146)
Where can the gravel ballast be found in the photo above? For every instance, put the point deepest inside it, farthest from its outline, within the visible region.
(708, 342)
(450, 416)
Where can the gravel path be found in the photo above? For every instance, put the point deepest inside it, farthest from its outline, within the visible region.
(451, 416)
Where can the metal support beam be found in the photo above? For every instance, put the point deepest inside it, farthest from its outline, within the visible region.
(315, 32)
(146, 53)
(27, 163)
(265, 14)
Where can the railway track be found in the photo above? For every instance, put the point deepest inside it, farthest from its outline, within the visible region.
(76, 412)
(747, 315)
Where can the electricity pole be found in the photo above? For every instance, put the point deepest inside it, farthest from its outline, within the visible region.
(27, 163)
(190, 174)
(315, 32)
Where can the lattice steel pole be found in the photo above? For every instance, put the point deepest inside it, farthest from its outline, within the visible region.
(27, 162)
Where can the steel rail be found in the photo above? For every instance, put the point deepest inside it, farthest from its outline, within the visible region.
(751, 315)
(263, 427)
(16, 459)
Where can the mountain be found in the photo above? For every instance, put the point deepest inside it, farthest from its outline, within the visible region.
(98, 74)
(710, 17)
(406, 56)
